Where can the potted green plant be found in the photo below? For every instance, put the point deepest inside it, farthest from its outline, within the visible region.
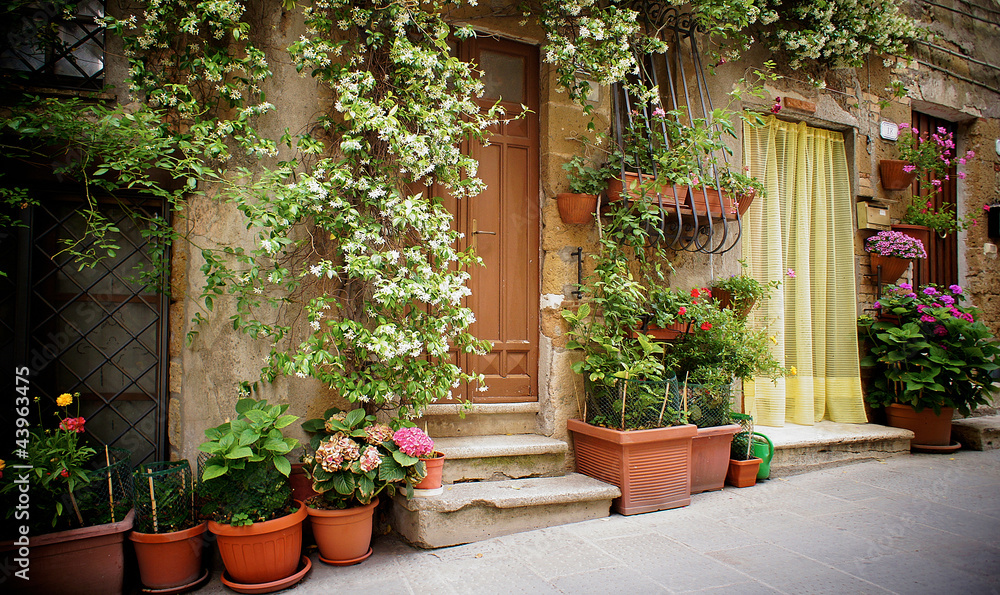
(78, 505)
(352, 459)
(630, 410)
(743, 465)
(741, 292)
(707, 362)
(893, 251)
(936, 359)
(930, 155)
(585, 182)
(247, 497)
(168, 538)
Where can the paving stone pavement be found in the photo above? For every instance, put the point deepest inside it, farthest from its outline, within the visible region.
(909, 525)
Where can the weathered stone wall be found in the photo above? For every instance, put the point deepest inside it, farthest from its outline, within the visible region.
(204, 375)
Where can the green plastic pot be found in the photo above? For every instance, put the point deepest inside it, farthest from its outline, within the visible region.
(763, 449)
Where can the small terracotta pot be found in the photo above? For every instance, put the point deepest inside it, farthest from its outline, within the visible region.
(302, 488)
(344, 536)
(169, 560)
(742, 474)
(892, 266)
(928, 428)
(893, 176)
(725, 299)
(577, 209)
(435, 466)
(261, 552)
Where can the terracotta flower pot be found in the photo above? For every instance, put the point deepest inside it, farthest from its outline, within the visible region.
(892, 266)
(667, 333)
(262, 552)
(301, 484)
(344, 536)
(710, 457)
(929, 429)
(84, 561)
(169, 560)
(922, 233)
(435, 467)
(725, 299)
(577, 209)
(631, 183)
(652, 468)
(893, 176)
(742, 474)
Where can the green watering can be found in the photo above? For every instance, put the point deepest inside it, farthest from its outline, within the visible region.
(763, 449)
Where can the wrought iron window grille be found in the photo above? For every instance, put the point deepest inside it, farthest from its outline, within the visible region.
(54, 44)
(693, 219)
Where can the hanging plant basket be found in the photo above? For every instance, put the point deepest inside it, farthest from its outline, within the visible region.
(893, 176)
(892, 266)
(576, 209)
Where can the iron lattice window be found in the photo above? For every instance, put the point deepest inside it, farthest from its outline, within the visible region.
(95, 330)
(54, 43)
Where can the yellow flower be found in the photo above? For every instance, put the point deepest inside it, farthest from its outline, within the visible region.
(773, 339)
(64, 400)
(3, 464)
(793, 371)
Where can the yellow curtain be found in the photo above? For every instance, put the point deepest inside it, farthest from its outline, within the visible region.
(801, 234)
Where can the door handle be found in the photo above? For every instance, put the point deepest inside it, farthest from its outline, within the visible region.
(476, 232)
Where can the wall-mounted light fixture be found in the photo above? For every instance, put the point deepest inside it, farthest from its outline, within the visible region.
(890, 130)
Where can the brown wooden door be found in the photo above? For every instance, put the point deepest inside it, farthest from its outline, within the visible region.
(502, 225)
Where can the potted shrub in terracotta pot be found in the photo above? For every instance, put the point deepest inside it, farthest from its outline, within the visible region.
(938, 358)
(80, 508)
(248, 498)
(585, 182)
(724, 348)
(168, 538)
(893, 251)
(743, 465)
(741, 293)
(353, 459)
(632, 433)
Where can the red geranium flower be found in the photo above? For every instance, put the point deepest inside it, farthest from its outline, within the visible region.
(682, 311)
(73, 424)
(695, 293)
(706, 325)
(64, 473)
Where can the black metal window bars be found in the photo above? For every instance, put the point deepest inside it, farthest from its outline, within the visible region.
(689, 222)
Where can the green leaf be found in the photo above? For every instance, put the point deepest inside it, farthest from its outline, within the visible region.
(404, 459)
(390, 471)
(343, 483)
(239, 453)
(276, 446)
(313, 425)
(285, 420)
(282, 465)
(354, 417)
(213, 471)
(248, 436)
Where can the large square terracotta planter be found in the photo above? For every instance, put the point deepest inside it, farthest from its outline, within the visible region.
(710, 457)
(652, 468)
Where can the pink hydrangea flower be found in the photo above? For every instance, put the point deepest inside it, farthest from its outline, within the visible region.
(370, 459)
(927, 318)
(414, 442)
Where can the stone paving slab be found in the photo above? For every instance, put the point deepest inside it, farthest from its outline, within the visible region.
(892, 526)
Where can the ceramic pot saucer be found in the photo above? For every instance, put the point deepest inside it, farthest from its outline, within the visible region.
(304, 566)
(935, 449)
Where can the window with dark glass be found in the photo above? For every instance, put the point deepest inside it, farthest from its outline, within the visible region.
(53, 43)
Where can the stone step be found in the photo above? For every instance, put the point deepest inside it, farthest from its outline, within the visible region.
(480, 419)
(977, 433)
(798, 449)
(468, 512)
(499, 457)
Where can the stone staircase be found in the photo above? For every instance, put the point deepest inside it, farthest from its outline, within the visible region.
(500, 478)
